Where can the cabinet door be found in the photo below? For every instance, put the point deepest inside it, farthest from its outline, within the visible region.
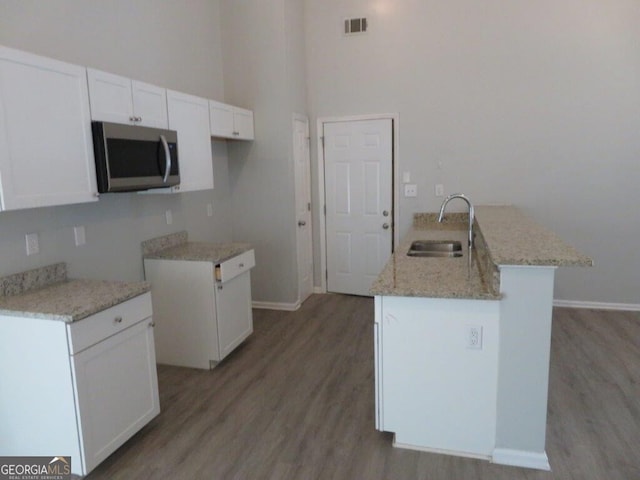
(189, 115)
(243, 123)
(46, 150)
(221, 119)
(110, 96)
(233, 313)
(117, 390)
(150, 104)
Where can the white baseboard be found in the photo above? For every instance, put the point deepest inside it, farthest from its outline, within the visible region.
(440, 451)
(289, 307)
(521, 458)
(632, 307)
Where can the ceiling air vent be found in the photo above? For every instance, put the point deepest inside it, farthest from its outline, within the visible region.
(354, 26)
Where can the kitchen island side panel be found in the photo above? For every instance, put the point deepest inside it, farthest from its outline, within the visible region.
(523, 374)
(437, 393)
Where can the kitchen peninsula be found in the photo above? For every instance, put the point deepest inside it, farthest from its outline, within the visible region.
(462, 353)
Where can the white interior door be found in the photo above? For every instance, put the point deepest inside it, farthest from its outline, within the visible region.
(359, 191)
(303, 206)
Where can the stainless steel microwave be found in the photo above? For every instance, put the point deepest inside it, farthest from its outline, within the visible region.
(130, 158)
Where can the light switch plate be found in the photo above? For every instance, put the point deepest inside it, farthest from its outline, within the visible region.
(411, 190)
(209, 210)
(169, 217)
(406, 177)
(33, 245)
(439, 190)
(79, 235)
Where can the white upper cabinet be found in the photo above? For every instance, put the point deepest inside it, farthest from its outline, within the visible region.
(228, 121)
(46, 151)
(121, 100)
(243, 123)
(221, 117)
(189, 116)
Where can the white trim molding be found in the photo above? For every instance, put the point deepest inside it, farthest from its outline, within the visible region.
(521, 458)
(631, 307)
(289, 307)
(440, 451)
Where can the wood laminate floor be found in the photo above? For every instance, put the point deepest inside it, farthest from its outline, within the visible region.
(296, 401)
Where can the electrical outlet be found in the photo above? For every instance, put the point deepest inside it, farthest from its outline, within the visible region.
(169, 217)
(33, 246)
(474, 337)
(411, 190)
(439, 190)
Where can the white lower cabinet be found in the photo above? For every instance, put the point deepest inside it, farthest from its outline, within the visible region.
(80, 389)
(203, 309)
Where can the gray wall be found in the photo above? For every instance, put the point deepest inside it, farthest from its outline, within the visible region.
(263, 57)
(173, 46)
(532, 103)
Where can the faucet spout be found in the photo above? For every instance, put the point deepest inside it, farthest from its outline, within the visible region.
(461, 196)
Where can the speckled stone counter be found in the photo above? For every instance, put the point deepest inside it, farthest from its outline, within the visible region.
(504, 236)
(50, 295)
(432, 276)
(177, 247)
(512, 238)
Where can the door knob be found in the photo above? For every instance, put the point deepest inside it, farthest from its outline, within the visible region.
(301, 223)
(385, 226)
(385, 213)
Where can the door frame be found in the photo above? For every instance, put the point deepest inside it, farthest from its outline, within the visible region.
(321, 182)
(303, 118)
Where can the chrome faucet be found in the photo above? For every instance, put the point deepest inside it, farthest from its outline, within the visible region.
(471, 213)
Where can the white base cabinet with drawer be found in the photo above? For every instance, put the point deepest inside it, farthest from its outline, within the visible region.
(203, 309)
(77, 389)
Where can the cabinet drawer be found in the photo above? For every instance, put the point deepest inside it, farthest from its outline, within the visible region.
(93, 329)
(235, 266)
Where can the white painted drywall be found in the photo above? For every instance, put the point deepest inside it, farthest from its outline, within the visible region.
(176, 46)
(264, 70)
(531, 103)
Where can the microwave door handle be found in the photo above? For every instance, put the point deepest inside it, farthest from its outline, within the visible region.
(167, 156)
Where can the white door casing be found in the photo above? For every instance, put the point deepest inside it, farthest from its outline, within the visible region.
(302, 167)
(358, 159)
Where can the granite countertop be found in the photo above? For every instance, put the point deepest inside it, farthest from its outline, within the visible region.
(513, 238)
(176, 246)
(46, 293)
(504, 236)
(201, 252)
(432, 276)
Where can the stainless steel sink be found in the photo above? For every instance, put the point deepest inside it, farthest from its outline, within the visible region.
(435, 248)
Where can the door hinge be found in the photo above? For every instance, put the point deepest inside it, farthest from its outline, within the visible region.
(325, 209)
(322, 140)
(308, 206)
